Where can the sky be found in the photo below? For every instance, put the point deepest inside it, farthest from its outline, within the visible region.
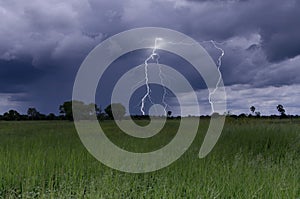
(43, 43)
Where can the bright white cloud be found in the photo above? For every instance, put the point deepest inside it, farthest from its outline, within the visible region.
(7, 102)
(241, 97)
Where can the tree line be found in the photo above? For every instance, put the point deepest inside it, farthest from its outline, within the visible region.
(256, 114)
(66, 113)
(87, 111)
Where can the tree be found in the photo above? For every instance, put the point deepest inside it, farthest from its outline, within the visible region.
(83, 111)
(242, 115)
(11, 115)
(252, 109)
(115, 110)
(169, 113)
(100, 114)
(66, 110)
(216, 115)
(33, 114)
(51, 116)
(94, 109)
(281, 110)
(257, 114)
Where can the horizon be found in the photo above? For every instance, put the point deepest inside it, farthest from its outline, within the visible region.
(228, 113)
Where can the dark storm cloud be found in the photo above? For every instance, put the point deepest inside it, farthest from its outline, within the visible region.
(16, 75)
(42, 43)
(278, 23)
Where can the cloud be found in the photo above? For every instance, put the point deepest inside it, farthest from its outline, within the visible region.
(241, 97)
(39, 27)
(42, 29)
(282, 73)
(245, 62)
(17, 76)
(12, 101)
(278, 24)
(42, 43)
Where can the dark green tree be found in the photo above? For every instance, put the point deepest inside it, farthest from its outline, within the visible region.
(100, 114)
(242, 115)
(281, 110)
(11, 115)
(252, 109)
(51, 116)
(257, 113)
(66, 110)
(33, 114)
(115, 111)
(83, 111)
(169, 113)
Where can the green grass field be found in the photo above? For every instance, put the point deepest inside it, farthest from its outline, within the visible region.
(252, 159)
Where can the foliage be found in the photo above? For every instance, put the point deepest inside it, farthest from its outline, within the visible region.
(169, 113)
(115, 110)
(33, 114)
(252, 109)
(281, 110)
(11, 115)
(84, 111)
(66, 110)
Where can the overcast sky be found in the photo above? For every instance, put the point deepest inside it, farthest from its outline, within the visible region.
(43, 43)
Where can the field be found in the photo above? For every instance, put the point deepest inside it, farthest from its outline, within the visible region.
(253, 159)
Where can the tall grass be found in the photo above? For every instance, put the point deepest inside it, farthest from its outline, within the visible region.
(252, 159)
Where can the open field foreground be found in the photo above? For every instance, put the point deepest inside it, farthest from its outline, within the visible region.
(254, 158)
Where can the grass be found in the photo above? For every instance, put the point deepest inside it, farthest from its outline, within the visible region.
(252, 159)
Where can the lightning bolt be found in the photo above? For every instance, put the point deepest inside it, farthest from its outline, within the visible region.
(155, 56)
(219, 64)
